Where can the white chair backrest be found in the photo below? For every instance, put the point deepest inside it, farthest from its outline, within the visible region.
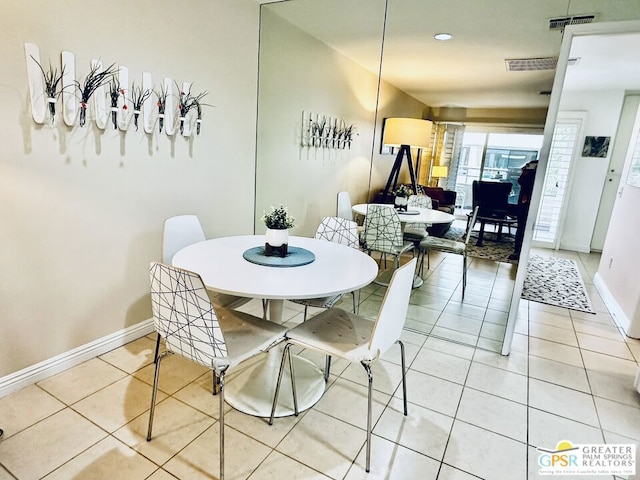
(184, 316)
(338, 230)
(344, 206)
(393, 311)
(382, 229)
(423, 201)
(472, 222)
(179, 232)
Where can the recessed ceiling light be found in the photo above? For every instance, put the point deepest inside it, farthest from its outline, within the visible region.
(443, 37)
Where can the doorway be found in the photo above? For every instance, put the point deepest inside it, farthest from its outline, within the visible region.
(548, 227)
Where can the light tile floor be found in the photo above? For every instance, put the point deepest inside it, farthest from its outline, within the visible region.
(473, 413)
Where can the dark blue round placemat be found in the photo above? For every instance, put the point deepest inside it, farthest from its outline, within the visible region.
(410, 212)
(296, 257)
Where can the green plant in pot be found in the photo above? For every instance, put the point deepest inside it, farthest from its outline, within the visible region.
(401, 200)
(278, 222)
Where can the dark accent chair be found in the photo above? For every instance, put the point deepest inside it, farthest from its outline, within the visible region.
(492, 200)
(443, 200)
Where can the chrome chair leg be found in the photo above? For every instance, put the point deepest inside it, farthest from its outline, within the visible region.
(404, 377)
(367, 368)
(464, 275)
(327, 367)
(155, 356)
(285, 353)
(296, 412)
(154, 394)
(214, 390)
(304, 318)
(221, 381)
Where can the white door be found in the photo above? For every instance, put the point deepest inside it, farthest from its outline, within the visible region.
(612, 182)
(564, 147)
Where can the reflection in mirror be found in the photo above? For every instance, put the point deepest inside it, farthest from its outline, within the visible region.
(320, 59)
(309, 95)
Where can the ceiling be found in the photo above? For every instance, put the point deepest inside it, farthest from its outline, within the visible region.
(469, 71)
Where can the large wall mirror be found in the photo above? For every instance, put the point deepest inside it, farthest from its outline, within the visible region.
(358, 62)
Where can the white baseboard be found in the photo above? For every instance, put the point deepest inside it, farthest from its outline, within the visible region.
(575, 247)
(614, 308)
(40, 371)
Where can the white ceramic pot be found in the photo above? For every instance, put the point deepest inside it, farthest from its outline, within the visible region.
(276, 238)
(401, 201)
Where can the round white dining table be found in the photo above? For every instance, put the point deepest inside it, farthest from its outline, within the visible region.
(413, 215)
(419, 215)
(336, 269)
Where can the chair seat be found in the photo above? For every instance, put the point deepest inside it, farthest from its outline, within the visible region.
(414, 234)
(406, 246)
(323, 302)
(338, 333)
(225, 300)
(443, 244)
(245, 334)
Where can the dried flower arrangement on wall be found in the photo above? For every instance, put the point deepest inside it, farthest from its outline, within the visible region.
(326, 132)
(47, 85)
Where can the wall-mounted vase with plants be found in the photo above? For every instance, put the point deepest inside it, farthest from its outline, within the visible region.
(52, 83)
(94, 80)
(161, 93)
(138, 97)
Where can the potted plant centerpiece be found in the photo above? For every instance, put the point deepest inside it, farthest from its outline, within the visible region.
(402, 197)
(278, 223)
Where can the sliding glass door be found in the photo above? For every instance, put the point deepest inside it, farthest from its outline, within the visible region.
(493, 156)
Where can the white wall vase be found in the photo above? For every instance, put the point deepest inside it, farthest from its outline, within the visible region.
(36, 83)
(51, 107)
(69, 89)
(100, 100)
(147, 105)
(169, 109)
(123, 112)
(276, 242)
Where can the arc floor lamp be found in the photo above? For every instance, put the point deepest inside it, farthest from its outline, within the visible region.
(404, 133)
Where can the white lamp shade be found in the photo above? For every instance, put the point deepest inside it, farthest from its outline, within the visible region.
(439, 171)
(407, 131)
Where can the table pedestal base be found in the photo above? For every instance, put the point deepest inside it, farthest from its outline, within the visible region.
(250, 386)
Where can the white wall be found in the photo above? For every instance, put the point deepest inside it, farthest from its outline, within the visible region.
(618, 271)
(299, 73)
(83, 209)
(603, 112)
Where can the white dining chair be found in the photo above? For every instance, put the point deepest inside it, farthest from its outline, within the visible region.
(179, 232)
(337, 230)
(449, 246)
(192, 327)
(383, 232)
(343, 209)
(414, 232)
(341, 334)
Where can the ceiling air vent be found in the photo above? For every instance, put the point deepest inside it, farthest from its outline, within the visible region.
(561, 22)
(531, 64)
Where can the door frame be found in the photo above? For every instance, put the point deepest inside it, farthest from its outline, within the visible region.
(575, 153)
